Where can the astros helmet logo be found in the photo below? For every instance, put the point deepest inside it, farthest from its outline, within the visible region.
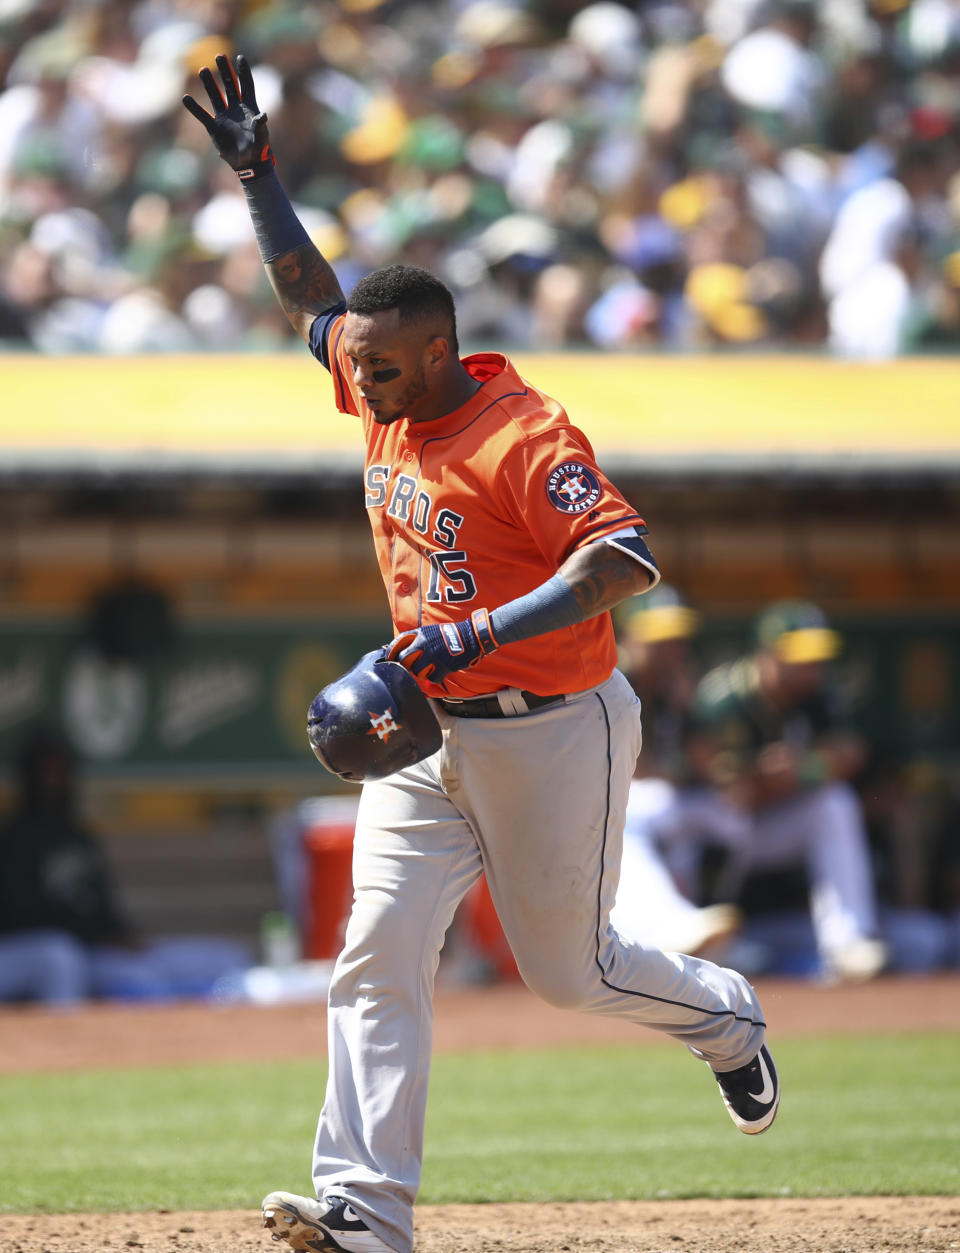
(382, 725)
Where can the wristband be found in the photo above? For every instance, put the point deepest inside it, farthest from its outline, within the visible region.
(257, 169)
(480, 621)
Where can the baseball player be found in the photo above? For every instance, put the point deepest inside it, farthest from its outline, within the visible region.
(502, 548)
(778, 747)
(659, 869)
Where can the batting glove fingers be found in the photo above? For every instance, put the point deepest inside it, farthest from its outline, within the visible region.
(237, 125)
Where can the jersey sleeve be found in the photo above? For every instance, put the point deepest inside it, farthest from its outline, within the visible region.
(326, 334)
(553, 485)
(715, 701)
(629, 541)
(722, 724)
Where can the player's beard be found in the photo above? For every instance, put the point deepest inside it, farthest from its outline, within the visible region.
(415, 390)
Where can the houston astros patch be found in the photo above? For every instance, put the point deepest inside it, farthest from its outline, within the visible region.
(573, 487)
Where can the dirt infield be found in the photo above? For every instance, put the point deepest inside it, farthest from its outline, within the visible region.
(506, 1016)
(843, 1225)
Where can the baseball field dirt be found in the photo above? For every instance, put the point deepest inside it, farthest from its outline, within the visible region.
(502, 1016)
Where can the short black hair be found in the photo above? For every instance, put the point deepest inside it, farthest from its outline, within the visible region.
(415, 293)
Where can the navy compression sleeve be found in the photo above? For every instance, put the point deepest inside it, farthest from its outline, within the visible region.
(277, 227)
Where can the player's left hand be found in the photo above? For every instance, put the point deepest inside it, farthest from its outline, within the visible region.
(237, 126)
(435, 651)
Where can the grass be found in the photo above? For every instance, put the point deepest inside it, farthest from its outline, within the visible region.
(859, 1116)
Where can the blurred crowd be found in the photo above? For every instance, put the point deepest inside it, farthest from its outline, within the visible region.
(765, 827)
(671, 174)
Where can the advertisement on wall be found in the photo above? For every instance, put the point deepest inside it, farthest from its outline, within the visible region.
(223, 698)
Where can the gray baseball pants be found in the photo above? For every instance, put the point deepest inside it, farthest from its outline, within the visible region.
(538, 802)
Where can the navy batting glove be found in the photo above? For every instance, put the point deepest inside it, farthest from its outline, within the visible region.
(435, 651)
(237, 125)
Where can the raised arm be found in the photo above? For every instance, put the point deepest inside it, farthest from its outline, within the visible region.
(303, 280)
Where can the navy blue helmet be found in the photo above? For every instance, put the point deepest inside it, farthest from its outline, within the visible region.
(372, 721)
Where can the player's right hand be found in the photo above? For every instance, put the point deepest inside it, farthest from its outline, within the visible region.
(237, 126)
(434, 652)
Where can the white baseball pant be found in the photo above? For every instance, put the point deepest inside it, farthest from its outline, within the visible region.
(824, 830)
(536, 801)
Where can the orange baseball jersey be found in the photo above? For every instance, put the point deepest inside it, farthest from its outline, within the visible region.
(480, 506)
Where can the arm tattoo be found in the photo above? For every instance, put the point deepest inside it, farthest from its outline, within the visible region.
(304, 283)
(600, 577)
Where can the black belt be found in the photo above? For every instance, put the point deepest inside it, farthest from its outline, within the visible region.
(489, 706)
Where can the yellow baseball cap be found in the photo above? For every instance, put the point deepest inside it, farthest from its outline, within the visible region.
(661, 614)
(797, 632)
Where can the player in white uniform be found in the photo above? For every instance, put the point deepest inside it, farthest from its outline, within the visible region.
(670, 812)
(779, 748)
